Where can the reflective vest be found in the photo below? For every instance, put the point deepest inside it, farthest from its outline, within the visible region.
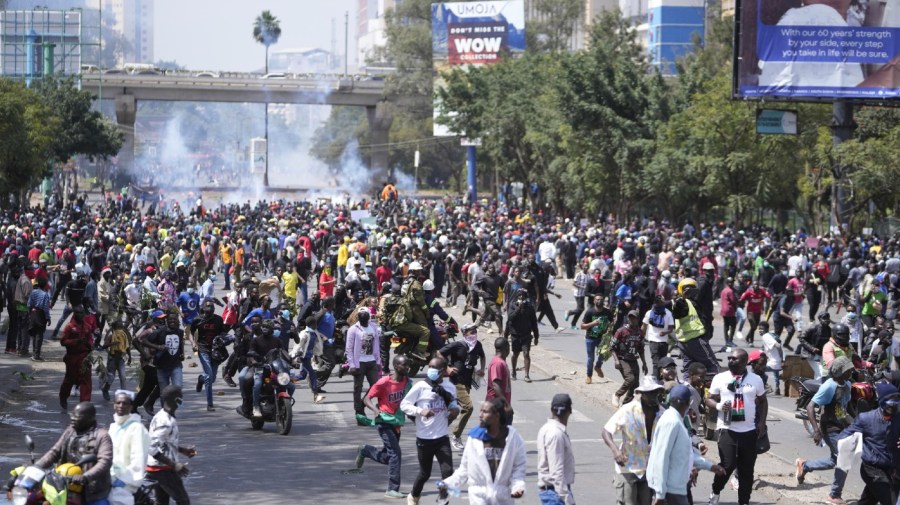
(690, 326)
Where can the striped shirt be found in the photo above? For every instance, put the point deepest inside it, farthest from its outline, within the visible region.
(40, 299)
(581, 280)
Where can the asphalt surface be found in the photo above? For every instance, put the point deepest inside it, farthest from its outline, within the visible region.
(238, 465)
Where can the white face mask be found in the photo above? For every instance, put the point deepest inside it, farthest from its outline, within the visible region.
(120, 419)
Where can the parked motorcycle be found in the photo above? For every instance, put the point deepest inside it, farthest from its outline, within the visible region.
(275, 401)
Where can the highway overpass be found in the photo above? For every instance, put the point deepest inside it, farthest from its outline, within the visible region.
(128, 89)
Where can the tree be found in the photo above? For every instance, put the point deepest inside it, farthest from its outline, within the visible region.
(28, 128)
(82, 130)
(266, 31)
(554, 23)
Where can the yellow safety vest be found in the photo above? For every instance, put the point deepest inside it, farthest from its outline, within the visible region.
(690, 326)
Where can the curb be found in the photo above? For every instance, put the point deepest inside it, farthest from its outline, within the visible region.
(13, 372)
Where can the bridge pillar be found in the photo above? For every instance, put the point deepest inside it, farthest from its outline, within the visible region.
(126, 112)
(380, 119)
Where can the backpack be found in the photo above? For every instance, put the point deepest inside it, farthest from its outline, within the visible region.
(219, 352)
(37, 319)
(395, 312)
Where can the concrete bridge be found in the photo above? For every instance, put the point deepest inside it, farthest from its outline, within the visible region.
(128, 89)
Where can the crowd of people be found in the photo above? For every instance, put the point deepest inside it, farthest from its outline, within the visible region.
(241, 281)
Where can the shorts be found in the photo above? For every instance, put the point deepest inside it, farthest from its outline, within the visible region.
(520, 343)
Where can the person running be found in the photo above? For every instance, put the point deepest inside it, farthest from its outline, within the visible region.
(578, 287)
(433, 403)
(627, 347)
(387, 394)
(204, 330)
(520, 329)
(462, 356)
(362, 355)
(755, 298)
(163, 468)
(78, 340)
(658, 327)
(131, 446)
(596, 323)
(556, 460)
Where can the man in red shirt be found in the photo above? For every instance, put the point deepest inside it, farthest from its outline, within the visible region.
(383, 273)
(499, 384)
(754, 298)
(388, 391)
(326, 283)
(78, 340)
(728, 309)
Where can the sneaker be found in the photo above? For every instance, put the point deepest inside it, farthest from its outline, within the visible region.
(319, 398)
(37, 358)
(210, 408)
(587, 380)
(734, 483)
(799, 473)
(515, 377)
(559, 329)
(713, 499)
(572, 328)
(788, 347)
(615, 400)
(527, 379)
(105, 391)
(568, 314)
(257, 412)
(360, 458)
(836, 500)
(457, 444)
(24, 354)
(200, 382)
(723, 349)
(777, 391)
(230, 381)
(63, 404)
(394, 494)
(599, 372)
(412, 500)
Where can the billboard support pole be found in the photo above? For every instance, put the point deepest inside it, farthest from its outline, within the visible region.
(841, 130)
(473, 180)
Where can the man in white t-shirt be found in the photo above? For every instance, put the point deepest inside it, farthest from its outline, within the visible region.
(739, 394)
(657, 326)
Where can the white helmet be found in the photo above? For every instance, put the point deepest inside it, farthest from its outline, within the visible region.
(415, 265)
(428, 285)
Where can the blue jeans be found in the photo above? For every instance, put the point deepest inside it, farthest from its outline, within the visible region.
(101, 501)
(258, 383)
(549, 497)
(388, 455)
(307, 370)
(304, 290)
(591, 345)
(173, 376)
(209, 375)
(840, 476)
(777, 375)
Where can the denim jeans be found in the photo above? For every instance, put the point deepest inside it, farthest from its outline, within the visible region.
(115, 365)
(777, 374)
(840, 476)
(591, 345)
(209, 375)
(388, 455)
(549, 497)
(307, 370)
(166, 377)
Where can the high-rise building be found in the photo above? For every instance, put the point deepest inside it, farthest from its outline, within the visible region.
(674, 26)
(371, 30)
(133, 19)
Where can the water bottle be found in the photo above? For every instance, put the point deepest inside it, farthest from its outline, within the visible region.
(726, 414)
(445, 492)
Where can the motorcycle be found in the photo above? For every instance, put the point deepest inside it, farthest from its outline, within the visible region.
(33, 485)
(275, 402)
(862, 396)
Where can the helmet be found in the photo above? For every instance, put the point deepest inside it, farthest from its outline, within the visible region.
(841, 334)
(128, 247)
(415, 265)
(428, 285)
(685, 284)
(824, 317)
(71, 470)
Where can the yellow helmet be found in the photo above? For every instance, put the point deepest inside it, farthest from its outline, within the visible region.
(687, 282)
(128, 247)
(71, 470)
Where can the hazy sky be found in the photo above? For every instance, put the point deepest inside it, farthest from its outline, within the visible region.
(217, 34)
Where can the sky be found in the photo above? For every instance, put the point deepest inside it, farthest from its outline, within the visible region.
(217, 34)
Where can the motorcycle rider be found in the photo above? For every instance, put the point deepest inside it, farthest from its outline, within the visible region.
(84, 437)
(131, 444)
(690, 330)
(813, 340)
(833, 397)
(415, 325)
(435, 309)
(839, 345)
(259, 348)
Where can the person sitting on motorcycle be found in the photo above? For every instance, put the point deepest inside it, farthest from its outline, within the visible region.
(415, 327)
(259, 348)
(839, 345)
(813, 340)
(83, 438)
(435, 309)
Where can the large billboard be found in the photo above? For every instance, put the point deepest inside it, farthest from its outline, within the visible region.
(473, 33)
(818, 49)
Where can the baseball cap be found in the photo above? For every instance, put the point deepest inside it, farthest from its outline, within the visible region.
(681, 393)
(157, 314)
(666, 362)
(634, 313)
(561, 402)
(755, 355)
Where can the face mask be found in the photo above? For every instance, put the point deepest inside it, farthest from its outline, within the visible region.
(433, 374)
(212, 278)
(190, 291)
(120, 419)
(285, 314)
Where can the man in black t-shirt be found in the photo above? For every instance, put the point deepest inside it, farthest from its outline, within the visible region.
(596, 324)
(782, 318)
(204, 330)
(168, 345)
(461, 356)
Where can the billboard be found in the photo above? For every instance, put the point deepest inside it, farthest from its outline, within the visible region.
(473, 33)
(818, 50)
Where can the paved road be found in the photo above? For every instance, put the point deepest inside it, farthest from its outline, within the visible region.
(238, 465)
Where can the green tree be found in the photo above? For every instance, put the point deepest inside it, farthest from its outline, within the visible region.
(266, 31)
(554, 22)
(28, 128)
(83, 130)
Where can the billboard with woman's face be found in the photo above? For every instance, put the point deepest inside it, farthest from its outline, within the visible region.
(818, 49)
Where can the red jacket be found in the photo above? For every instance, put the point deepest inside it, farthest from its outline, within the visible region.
(78, 338)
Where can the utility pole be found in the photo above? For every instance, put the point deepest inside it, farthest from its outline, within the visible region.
(346, 41)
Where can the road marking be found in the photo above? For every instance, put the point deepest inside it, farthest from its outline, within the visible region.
(574, 440)
(332, 415)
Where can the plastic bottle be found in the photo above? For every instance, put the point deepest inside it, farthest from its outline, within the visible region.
(726, 414)
(445, 492)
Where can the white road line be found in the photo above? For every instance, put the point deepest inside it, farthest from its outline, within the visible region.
(575, 417)
(574, 440)
(332, 415)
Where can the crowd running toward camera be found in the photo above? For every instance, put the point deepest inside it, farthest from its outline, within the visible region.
(275, 295)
